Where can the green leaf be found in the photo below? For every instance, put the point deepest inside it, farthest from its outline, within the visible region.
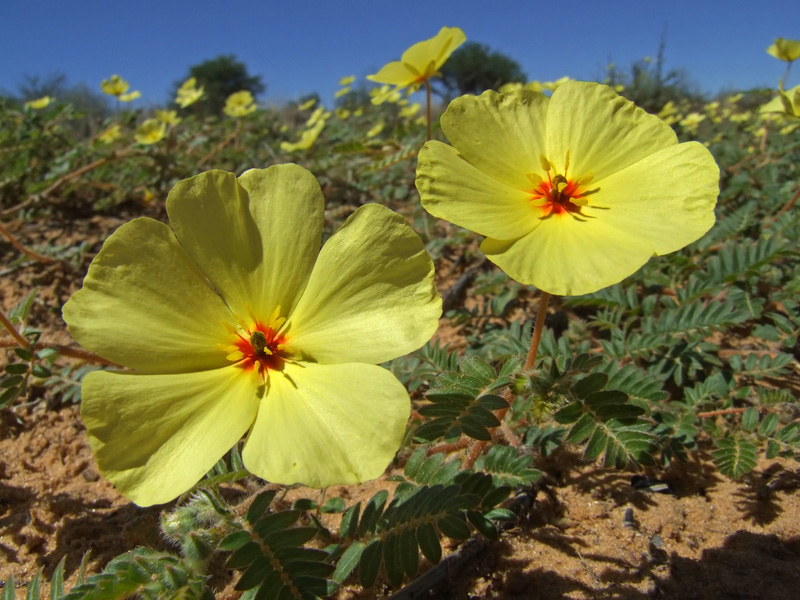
(372, 512)
(278, 521)
(769, 424)
(569, 414)
(392, 560)
(482, 524)
(370, 563)
(429, 543)
(453, 527)
(244, 555)
(9, 589)
(234, 541)
(347, 529)
(334, 505)
(348, 562)
(57, 580)
(409, 552)
(255, 573)
(260, 506)
(16, 369)
(735, 456)
(589, 384)
(750, 419)
(581, 430)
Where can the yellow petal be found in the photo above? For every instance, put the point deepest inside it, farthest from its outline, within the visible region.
(371, 296)
(256, 248)
(322, 425)
(144, 305)
(453, 189)
(566, 257)
(155, 436)
(602, 132)
(666, 200)
(503, 135)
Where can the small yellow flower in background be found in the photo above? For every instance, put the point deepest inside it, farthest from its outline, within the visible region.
(320, 114)
(39, 103)
(741, 117)
(189, 93)
(341, 92)
(385, 93)
(786, 103)
(130, 96)
(307, 138)
(109, 134)
(735, 98)
(691, 121)
(239, 104)
(151, 131)
(235, 323)
(409, 111)
(342, 113)
(574, 192)
(115, 86)
(308, 104)
(783, 49)
(148, 196)
(421, 61)
(168, 117)
(347, 80)
(375, 129)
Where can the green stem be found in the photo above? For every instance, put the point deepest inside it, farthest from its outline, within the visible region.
(428, 106)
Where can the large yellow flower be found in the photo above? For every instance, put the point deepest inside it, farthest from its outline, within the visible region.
(784, 49)
(235, 323)
(421, 61)
(573, 192)
(150, 131)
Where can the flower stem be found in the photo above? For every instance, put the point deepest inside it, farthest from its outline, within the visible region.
(428, 106)
(13, 331)
(537, 331)
(18, 245)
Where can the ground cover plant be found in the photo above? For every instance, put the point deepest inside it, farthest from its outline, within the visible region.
(633, 309)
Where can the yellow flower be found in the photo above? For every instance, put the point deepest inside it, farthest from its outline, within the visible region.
(239, 104)
(691, 121)
(787, 103)
(308, 104)
(116, 86)
(130, 96)
(787, 50)
(189, 93)
(421, 61)
(342, 113)
(235, 323)
(39, 103)
(375, 129)
(150, 132)
(347, 80)
(109, 134)
(341, 92)
(573, 192)
(168, 117)
(410, 110)
(307, 138)
(320, 114)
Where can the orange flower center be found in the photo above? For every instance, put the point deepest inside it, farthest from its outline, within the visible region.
(263, 349)
(561, 195)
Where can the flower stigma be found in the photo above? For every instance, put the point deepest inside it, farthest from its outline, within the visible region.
(260, 346)
(561, 195)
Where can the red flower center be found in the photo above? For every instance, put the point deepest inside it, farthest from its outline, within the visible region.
(263, 348)
(562, 196)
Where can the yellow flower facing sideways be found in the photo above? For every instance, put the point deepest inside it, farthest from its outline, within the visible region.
(235, 323)
(116, 86)
(783, 49)
(189, 93)
(786, 103)
(574, 192)
(39, 103)
(421, 61)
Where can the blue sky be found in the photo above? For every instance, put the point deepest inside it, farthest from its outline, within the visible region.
(300, 46)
